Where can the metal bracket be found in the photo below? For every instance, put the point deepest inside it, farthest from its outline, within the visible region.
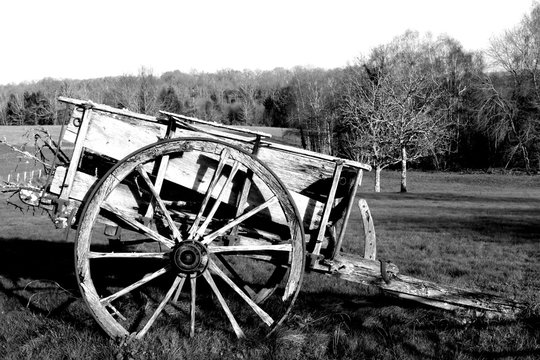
(229, 240)
(388, 270)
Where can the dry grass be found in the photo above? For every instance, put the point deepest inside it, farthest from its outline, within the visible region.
(468, 230)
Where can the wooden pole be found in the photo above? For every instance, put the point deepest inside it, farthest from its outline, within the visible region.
(350, 203)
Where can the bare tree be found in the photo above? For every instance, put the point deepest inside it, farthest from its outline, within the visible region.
(391, 106)
(510, 112)
(147, 91)
(314, 115)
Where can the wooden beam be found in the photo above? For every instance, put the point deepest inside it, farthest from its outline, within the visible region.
(370, 239)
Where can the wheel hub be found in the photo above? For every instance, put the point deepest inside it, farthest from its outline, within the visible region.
(189, 257)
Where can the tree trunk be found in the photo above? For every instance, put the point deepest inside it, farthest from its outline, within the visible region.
(378, 178)
(403, 169)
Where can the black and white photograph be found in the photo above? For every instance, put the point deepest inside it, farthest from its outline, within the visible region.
(285, 180)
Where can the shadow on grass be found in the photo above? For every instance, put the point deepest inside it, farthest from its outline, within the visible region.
(350, 323)
(380, 327)
(36, 259)
(452, 197)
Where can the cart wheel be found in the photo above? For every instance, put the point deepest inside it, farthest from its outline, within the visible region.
(161, 242)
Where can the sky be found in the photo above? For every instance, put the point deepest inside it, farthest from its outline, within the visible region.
(88, 39)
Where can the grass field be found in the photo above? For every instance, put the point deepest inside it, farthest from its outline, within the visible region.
(468, 230)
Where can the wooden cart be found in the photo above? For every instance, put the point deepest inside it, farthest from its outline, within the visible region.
(171, 211)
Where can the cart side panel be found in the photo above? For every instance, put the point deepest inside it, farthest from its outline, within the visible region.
(309, 208)
(114, 136)
(117, 136)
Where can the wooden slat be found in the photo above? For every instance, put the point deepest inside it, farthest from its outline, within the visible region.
(310, 209)
(160, 308)
(346, 217)
(327, 209)
(267, 319)
(75, 158)
(106, 108)
(221, 300)
(217, 125)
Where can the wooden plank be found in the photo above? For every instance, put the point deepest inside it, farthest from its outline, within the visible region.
(271, 145)
(106, 108)
(370, 239)
(348, 211)
(366, 272)
(217, 125)
(328, 208)
(77, 154)
(123, 198)
(314, 155)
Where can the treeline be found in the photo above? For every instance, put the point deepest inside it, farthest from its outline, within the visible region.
(414, 100)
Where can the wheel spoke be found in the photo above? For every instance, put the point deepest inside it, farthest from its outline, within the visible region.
(267, 319)
(137, 225)
(160, 307)
(127, 255)
(208, 238)
(107, 300)
(238, 331)
(179, 289)
(170, 222)
(116, 312)
(271, 284)
(249, 248)
(200, 231)
(217, 174)
(193, 281)
(236, 276)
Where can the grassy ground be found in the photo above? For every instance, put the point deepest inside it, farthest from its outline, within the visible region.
(469, 230)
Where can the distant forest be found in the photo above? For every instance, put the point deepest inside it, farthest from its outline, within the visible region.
(418, 100)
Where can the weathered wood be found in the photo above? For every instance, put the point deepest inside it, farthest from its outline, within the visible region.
(201, 230)
(160, 308)
(370, 239)
(208, 238)
(76, 156)
(299, 169)
(105, 108)
(221, 300)
(162, 169)
(289, 250)
(127, 255)
(249, 248)
(224, 156)
(348, 211)
(215, 124)
(328, 208)
(157, 198)
(179, 288)
(267, 319)
(366, 272)
(192, 308)
(123, 198)
(135, 285)
(270, 145)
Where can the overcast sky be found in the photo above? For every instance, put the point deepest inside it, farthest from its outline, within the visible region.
(88, 39)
